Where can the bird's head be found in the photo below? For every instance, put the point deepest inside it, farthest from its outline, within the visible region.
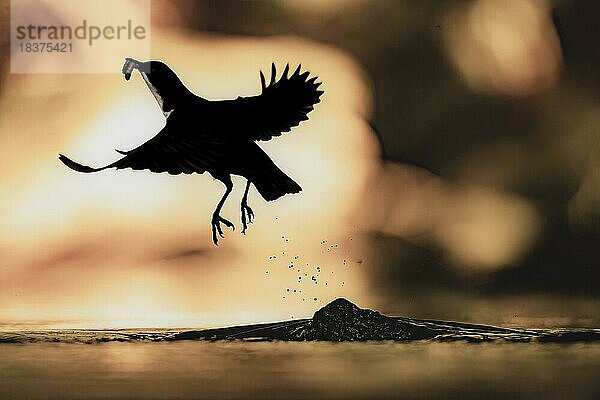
(162, 81)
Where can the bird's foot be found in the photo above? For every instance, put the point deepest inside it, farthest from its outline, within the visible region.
(247, 217)
(216, 222)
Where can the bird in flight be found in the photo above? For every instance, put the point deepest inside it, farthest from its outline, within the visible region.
(219, 137)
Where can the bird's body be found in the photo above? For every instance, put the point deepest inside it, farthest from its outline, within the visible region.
(219, 137)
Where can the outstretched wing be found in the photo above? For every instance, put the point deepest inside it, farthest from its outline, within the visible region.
(175, 154)
(282, 105)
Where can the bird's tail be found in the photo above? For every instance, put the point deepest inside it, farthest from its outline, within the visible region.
(274, 183)
(76, 166)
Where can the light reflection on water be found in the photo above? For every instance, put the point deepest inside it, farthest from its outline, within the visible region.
(302, 370)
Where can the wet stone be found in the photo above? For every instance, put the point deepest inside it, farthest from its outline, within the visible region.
(342, 320)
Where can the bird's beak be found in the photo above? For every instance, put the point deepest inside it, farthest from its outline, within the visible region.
(129, 66)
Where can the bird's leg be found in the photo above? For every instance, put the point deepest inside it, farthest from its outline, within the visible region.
(217, 219)
(246, 210)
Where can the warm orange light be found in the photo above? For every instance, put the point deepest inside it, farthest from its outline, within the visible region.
(131, 248)
(510, 47)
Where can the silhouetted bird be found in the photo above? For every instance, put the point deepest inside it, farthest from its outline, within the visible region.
(219, 136)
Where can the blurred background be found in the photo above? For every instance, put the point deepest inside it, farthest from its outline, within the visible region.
(452, 171)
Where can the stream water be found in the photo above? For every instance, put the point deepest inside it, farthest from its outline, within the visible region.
(116, 365)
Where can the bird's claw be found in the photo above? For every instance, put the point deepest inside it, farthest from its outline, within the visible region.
(247, 217)
(216, 222)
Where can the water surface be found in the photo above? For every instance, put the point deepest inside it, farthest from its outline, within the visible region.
(297, 370)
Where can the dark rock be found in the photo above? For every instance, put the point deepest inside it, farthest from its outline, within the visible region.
(563, 336)
(294, 330)
(338, 321)
(342, 320)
